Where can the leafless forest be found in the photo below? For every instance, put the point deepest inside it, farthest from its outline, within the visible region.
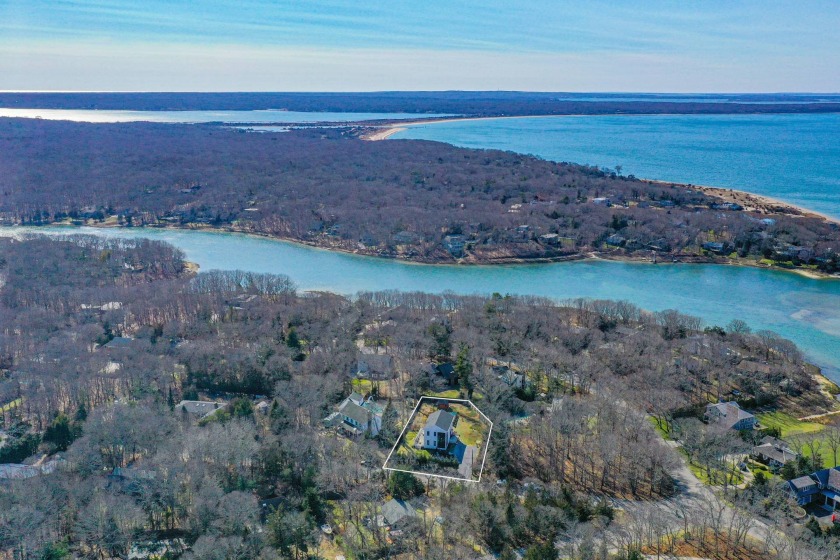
(396, 199)
(573, 444)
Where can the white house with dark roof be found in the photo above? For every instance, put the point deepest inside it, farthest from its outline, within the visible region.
(439, 430)
(730, 415)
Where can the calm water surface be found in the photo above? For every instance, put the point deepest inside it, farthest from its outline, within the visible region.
(804, 310)
(263, 116)
(795, 158)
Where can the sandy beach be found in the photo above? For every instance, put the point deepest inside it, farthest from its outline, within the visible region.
(750, 201)
(754, 202)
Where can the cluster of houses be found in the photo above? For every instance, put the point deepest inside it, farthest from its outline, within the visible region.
(771, 451)
(820, 488)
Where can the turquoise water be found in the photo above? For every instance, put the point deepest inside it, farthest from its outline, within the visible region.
(804, 310)
(263, 116)
(795, 158)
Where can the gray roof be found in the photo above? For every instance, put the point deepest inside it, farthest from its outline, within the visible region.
(775, 450)
(355, 412)
(441, 419)
(802, 482)
(730, 413)
(132, 473)
(395, 511)
(834, 478)
(829, 477)
(18, 472)
(374, 363)
(119, 342)
(15, 471)
(200, 408)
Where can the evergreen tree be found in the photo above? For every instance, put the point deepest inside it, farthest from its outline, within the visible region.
(390, 431)
(464, 369)
(403, 485)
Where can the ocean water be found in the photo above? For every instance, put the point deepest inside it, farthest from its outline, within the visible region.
(804, 310)
(795, 158)
(255, 117)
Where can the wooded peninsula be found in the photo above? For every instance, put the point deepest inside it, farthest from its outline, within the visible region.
(416, 200)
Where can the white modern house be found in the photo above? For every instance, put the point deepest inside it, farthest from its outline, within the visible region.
(439, 430)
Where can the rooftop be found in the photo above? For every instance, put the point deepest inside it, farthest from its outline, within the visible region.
(441, 419)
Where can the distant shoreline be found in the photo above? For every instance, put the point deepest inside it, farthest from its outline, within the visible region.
(750, 200)
(663, 259)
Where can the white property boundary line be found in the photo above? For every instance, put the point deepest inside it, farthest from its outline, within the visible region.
(407, 424)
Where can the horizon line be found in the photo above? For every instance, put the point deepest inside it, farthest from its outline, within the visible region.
(628, 92)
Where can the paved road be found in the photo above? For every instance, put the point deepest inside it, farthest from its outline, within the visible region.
(693, 498)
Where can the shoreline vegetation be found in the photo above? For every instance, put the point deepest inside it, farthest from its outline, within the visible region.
(412, 200)
(360, 252)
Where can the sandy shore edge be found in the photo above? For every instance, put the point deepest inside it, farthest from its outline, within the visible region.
(750, 201)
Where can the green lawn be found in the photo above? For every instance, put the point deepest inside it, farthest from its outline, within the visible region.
(362, 386)
(792, 427)
(735, 476)
(469, 431)
(664, 430)
(10, 405)
(788, 425)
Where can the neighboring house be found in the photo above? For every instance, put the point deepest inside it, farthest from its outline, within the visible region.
(821, 488)
(15, 471)
(730, 415)
(439, 430)
(447, 371)
(615, 240)
(372, 364)
(602, 201)
(262, 407)
(357, 415)
(508, 373)
(455, 244)
(396, 512)
(549, 239)
(714, 246)
(773, 452)
(118, 343)
(200, 409)
(405, 238)
(512, 379)
(130, 479)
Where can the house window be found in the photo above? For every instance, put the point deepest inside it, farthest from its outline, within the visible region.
(428, 433)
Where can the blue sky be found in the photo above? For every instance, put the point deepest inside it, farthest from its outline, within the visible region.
(353, 45)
